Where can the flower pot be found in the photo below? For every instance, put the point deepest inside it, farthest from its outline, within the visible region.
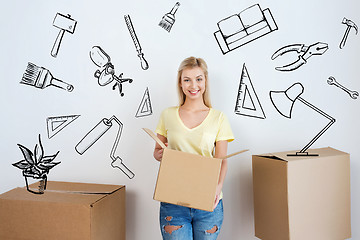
(39, 188)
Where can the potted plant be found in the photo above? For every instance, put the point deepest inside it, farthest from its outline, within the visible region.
(36, 166)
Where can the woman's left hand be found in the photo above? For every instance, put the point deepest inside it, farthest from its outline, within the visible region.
(217, 195)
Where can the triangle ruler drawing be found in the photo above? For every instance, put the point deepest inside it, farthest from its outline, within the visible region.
(56, 124)
(247, 102)
(145, 108)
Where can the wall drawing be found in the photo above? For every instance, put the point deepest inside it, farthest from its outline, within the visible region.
(247, 26)
(247, 102)
(304, 53)
(145, 108)
(283, 102)
(96, 133)
(332, 81)
(168, 19)
(349, 25)
(144, 63)
(58, 123)
(66, 24)
(36, 166)
(106, 73)
(41, 77)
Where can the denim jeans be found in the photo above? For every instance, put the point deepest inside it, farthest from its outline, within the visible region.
(189, 223)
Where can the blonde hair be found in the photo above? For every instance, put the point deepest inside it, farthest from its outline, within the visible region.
(192, 62)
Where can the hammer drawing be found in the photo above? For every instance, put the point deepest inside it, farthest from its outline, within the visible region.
(64, 23)
(349, 24)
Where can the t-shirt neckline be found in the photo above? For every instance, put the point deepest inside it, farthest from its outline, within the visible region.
(194, 128)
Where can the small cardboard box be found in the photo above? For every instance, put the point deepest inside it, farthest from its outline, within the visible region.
(297, 198)
(187, 179)
(65, 211)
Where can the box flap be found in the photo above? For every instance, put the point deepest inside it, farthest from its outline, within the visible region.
(323, 152)
(85, 188)
(64, 192)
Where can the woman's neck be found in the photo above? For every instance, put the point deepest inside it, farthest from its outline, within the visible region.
(194, 105)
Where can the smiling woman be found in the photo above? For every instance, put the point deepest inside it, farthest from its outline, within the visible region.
(194, 127)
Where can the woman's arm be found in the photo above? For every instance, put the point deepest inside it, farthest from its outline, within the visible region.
(221, 152)
(158, 151)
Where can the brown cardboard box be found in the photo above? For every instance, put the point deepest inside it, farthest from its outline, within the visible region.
(65, 211)
(187, 179)
(301, 198)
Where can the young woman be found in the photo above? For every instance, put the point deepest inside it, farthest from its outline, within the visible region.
(193, 127)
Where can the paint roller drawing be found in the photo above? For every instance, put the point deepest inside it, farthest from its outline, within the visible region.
(95, 134)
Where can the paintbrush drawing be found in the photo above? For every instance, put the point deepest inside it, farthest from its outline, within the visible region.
(66, 24)
(144, 63)
(168, 19)
(41, 77)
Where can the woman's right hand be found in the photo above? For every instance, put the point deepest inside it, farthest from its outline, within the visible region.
(158, 151)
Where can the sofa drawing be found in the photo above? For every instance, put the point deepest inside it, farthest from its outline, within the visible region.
(240, 29)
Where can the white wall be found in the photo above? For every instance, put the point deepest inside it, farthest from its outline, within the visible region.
(27, 35)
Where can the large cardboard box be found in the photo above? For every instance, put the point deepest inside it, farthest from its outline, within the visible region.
(297, 198)
(65, 211)
(187, 179)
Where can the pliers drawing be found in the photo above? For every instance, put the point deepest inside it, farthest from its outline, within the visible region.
(305, 52)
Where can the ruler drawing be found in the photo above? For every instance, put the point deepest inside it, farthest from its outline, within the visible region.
(145, 108)
(247, 102)
(56, 124)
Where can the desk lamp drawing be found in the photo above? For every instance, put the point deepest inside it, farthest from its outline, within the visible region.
(96, 133)
(284, 101)
(106, 74)
(247, 26)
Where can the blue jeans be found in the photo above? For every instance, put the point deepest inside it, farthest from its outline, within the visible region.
(183, 223)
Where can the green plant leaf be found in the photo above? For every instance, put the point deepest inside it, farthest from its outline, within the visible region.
(28, 155)
(23, 164)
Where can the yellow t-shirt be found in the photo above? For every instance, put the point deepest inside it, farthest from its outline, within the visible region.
(198, 140)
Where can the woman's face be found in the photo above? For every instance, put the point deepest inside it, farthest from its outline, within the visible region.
(192, 82)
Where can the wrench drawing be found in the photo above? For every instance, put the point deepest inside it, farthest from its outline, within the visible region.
(332, 81)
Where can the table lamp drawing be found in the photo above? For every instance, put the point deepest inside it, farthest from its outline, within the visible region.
(284, 101)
